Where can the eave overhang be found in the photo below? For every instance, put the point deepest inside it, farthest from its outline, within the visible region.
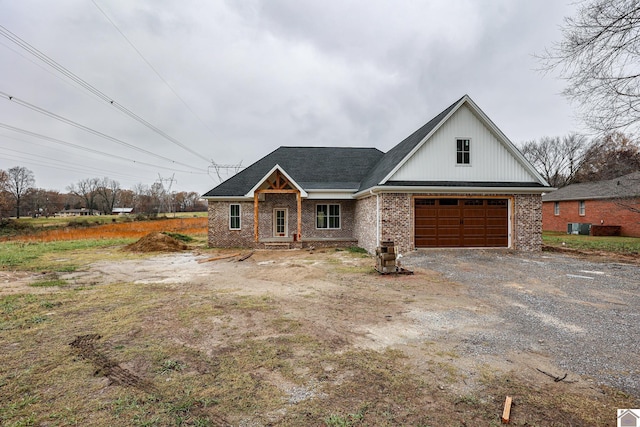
(452, 189)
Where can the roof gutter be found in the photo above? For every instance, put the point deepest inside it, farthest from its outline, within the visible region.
(440, 189)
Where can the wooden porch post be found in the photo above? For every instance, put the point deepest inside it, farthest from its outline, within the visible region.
(255, 216)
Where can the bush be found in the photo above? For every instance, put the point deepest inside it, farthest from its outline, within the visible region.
(10, 227)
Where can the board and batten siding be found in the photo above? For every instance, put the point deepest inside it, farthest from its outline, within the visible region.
(436, 159)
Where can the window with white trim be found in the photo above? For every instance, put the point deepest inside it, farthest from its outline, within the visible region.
(463, 151)
(556, 208)
(581, 209)
(328, 216)
(234, 217)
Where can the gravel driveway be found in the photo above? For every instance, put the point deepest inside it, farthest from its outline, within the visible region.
(583, 315)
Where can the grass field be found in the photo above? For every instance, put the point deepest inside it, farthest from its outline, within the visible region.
(621, 245)
(67, 248)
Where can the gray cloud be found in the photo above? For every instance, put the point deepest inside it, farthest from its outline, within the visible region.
(264, 74)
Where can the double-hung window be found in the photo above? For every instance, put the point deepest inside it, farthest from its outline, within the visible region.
(581, 209)
(328, 216)
(556, 208)
(463, 151)
(234, 217)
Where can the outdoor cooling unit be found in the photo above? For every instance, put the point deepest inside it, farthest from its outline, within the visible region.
(579, 228)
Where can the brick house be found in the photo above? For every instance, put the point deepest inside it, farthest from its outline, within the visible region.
(610, 203)
(456, 182)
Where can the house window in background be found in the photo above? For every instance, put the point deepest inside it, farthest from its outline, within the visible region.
(581, 209)
(556, 208)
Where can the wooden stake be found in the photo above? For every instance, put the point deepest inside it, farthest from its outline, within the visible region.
(506, 413)
(245, 256)
(216, 258)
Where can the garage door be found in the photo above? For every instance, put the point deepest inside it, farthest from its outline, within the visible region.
(456, 223)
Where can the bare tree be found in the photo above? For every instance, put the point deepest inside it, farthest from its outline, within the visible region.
(108, 191)
(4, 193)
(599, 56)
(20, 180)
(86, 189)
(556, 158)
(612, 156)
(629, 185)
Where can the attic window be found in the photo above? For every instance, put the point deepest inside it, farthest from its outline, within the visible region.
(462, 151)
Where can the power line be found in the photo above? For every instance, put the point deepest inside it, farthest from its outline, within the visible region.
(90, 150)
(82, 83)
(60, 164)
(156, 72)
(91, 130)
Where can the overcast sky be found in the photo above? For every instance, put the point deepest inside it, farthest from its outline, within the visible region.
(230, 81)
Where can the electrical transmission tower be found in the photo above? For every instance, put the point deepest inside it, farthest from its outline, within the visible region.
(230, 169)
(166, 198)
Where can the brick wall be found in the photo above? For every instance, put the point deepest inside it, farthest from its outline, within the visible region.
(358, 220)
(219, 234)
(365, 223)
(527, 222)
(607, 211)
(397, 219)
(347, 220)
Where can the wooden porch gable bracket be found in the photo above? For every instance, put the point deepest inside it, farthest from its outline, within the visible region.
(280, 182)
(280, 185)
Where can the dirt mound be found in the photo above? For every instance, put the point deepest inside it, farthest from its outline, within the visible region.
(157, 242)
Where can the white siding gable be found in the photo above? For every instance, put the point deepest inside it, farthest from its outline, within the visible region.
(491, 161)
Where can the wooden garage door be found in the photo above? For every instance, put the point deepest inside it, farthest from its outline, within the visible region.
(456, 223)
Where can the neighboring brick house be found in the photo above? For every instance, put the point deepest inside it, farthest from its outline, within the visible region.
(614, 202)
(456, 182)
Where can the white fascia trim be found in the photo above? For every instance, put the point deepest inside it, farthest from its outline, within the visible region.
(449, 190)
(331, 194)
(425, 139)
(264, 178)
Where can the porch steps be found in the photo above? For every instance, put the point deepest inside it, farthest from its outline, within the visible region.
(277, 245)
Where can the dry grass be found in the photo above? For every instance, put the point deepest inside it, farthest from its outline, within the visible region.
(121, 230)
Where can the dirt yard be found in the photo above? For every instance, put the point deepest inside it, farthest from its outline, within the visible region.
(319, 338)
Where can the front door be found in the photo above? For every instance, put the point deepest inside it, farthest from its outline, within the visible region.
(280, 223)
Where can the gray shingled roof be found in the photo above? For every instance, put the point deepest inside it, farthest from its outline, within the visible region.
(310, 167)
(400, 151)
(317, 168)
(622, 187)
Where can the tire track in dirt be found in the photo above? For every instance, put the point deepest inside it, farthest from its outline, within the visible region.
(84, 346)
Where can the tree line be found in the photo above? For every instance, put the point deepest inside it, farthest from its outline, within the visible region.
(20, 197)
(574, 158)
